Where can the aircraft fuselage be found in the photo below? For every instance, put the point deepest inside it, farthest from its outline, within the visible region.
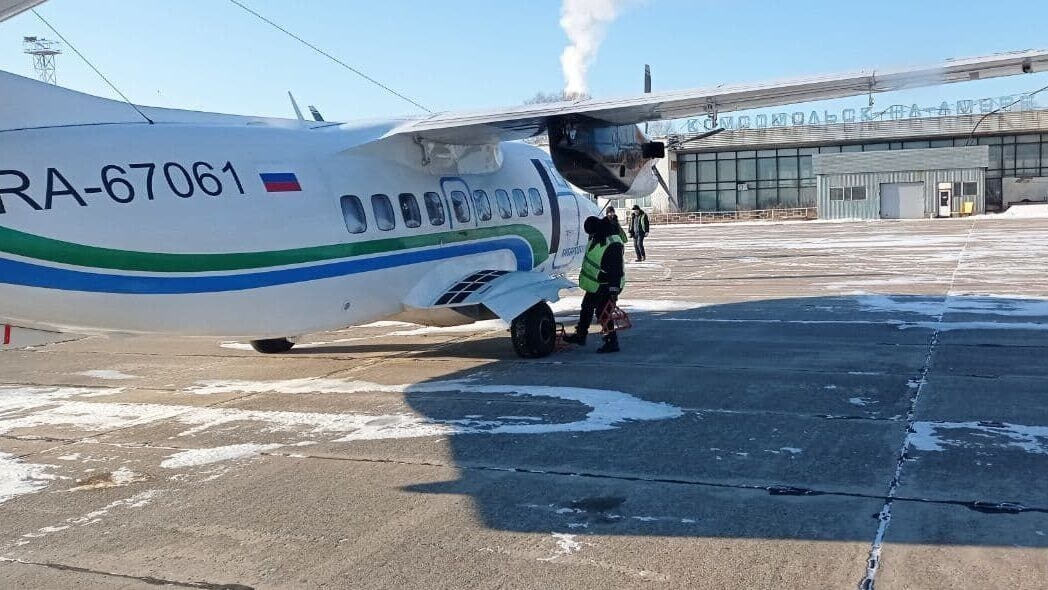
(242, 231)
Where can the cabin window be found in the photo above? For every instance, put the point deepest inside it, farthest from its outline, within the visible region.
(409, 210)
(521, 202)
(502, 200)
(353, 214)
(460, 204)
(434, 208)
(535, 198)
(483, 205)
(383, 210)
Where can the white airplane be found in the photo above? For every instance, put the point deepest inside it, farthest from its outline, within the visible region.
(116, 218)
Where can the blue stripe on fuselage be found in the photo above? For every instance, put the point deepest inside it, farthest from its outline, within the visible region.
(34, 275)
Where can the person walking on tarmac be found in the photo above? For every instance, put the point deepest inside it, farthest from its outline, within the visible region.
(603, 277)
(639, 227)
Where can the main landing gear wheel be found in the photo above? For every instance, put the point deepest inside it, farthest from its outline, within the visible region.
(534, 332)
(272, 345)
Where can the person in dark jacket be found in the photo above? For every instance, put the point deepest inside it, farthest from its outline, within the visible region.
(603, 277)
(613, 217)
(639, 228)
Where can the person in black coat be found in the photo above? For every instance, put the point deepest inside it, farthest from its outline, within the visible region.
(602, 278)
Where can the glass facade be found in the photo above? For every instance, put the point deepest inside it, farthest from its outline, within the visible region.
(733, 180)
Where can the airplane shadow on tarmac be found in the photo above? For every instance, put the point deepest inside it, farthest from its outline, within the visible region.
(787, 420)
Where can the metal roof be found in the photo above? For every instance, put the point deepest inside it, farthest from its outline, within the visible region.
(843, 133)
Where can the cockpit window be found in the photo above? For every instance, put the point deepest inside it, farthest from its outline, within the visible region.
(460, 205)
(353, 214)
(434, 208)
(535, 198)
(483, 205)
(409, 210)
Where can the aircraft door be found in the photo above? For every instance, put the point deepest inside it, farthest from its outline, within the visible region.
(564, 215)
(570, 224)
(459, 202)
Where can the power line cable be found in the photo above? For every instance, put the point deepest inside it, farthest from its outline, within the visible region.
(971, 135)
(329, 56)
(92, 66)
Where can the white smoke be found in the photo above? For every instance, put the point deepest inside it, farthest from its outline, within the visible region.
(585, 22)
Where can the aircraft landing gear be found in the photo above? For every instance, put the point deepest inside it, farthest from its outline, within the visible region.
(534, 332)
(272, 345)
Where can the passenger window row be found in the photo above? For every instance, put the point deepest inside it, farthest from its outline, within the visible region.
(385, 219)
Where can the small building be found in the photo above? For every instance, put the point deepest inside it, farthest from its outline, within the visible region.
(904, 184)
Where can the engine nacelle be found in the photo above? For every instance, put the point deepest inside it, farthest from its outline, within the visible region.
(604, 159)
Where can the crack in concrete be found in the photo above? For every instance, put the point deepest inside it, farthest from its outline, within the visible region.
(151, 580)
(772, 489)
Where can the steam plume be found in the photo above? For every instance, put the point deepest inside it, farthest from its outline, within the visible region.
(585, 22)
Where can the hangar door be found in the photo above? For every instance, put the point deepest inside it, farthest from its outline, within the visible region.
(902, 200)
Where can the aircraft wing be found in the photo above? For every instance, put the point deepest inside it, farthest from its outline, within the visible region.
(529, 120)
(9, 8)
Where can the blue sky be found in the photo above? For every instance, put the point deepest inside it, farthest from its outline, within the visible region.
(466, 54)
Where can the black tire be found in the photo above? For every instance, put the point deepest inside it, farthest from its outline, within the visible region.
(272, 345)
(534, 332)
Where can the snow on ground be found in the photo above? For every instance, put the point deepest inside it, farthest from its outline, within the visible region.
(1033, 211)
(196, 457)
(936, 436)
(28, 407)
(18, 478)
(107, 375)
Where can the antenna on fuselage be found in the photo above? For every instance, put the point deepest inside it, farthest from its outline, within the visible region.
(294, 105)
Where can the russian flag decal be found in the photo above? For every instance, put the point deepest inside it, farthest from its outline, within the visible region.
(280, 182)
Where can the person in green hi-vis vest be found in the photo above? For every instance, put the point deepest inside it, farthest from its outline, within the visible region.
(603, 277)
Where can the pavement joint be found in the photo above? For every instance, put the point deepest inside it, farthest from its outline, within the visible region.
(874, 560)
(150, 580)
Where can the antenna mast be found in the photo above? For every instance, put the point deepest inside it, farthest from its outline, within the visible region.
(43, 52)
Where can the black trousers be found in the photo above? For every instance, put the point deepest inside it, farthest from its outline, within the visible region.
(592, 303)
(638, 245)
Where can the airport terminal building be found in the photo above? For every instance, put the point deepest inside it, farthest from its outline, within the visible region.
(902, 168)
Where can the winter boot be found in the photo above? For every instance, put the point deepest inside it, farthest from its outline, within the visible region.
(611, 343)
(576, 338)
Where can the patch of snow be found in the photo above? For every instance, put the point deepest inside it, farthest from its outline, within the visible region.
(34, 407)
(236, 345)
(566, 545)
(18, 477)
(858, 401)
(609, 408)
(953, 326)
(108, 375)
(387, 324)
(196, 457)
(573, 304)
(484, 326)
(935, 436)
(1034, 211)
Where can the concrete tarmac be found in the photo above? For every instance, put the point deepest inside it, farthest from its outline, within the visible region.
(799, 405)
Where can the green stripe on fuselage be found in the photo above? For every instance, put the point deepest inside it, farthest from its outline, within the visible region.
(41, 248)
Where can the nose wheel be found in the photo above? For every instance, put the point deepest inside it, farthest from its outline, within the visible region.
(534, 332)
